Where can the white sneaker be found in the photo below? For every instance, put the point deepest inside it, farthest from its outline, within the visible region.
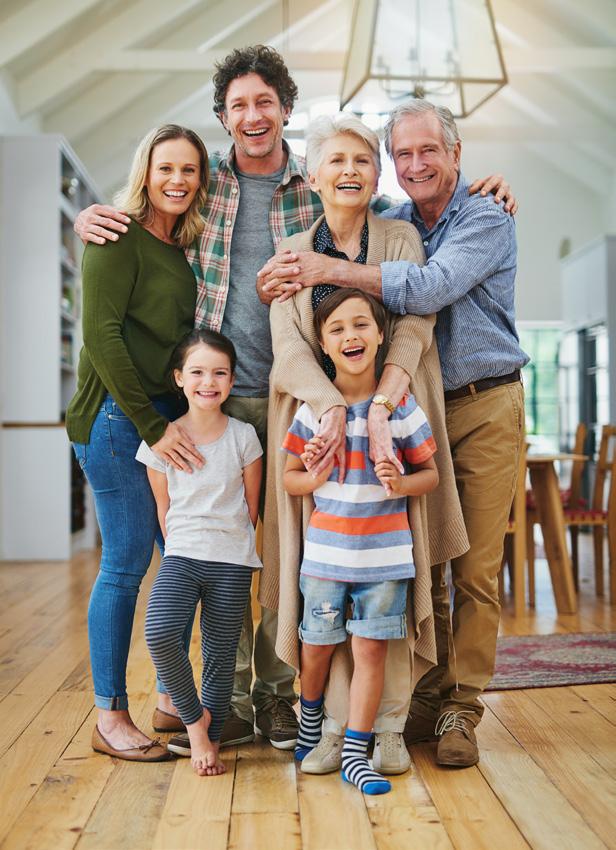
(326, 756)
(390, 754)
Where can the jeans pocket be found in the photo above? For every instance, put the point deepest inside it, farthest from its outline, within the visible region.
(116, 414)
(81, 453)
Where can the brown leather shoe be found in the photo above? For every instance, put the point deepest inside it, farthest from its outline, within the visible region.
(154, 751)
(457, 746)
(162, 721)
(418, 728)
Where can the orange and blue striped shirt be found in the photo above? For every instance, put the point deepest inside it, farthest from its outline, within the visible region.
(357, 533)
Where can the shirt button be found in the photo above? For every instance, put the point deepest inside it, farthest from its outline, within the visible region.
(425, 241)
(234, 190)
(228, 222)
(224, 256)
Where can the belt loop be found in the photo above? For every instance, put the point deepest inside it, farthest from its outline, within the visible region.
(472, 389)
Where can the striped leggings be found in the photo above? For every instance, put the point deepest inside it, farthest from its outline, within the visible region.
(224, 590)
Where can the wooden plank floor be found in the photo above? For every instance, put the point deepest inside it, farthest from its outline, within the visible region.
(546, 779)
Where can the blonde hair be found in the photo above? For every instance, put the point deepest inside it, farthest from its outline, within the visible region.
(325, 127)
(133, 198)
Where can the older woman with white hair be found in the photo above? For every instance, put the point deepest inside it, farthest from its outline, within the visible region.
(344, 165)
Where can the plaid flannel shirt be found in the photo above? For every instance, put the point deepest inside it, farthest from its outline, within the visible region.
(294, 209)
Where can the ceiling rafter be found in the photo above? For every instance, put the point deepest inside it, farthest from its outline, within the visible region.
(65, 71)
(553, 60)
(35, 22)
(112, 93)
(596, 18)
(192, 60)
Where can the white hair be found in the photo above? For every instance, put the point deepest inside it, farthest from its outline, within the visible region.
(418, 106)
(325, 127)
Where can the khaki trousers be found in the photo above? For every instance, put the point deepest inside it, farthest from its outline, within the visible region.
(485, 433)
(272, 676)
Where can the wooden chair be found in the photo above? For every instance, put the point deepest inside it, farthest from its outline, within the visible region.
(515, 541)
(601, 514)
(571, 497)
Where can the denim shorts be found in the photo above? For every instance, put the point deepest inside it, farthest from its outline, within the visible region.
(379, 610)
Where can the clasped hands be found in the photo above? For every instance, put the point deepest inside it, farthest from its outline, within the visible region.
(287, 272)
(327, 447)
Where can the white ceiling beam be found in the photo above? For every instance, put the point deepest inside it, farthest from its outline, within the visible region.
(606, 156)
(64, 71)
(129, 125)
(35, 22)
(593, 17)
(529, 133)
(555, 60)
(590, 176)
(112, 94)
(192, 60)
(530, 27)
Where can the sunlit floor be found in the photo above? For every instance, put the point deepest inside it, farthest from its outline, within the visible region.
(546, 779)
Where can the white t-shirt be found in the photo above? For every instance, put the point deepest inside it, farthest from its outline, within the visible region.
(208, 516)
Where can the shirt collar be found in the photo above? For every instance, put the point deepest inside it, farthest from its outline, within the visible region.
(292, 168)
(324, 241)
(460, 193)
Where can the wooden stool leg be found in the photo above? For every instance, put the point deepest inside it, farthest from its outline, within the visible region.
(530, 557)
(597, 539)
(517, 566)
(574, 531)
(611, 541)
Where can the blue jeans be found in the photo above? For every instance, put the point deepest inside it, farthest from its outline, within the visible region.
(379, 610)
(128, 523)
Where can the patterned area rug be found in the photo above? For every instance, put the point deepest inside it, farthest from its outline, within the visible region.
(546, 661)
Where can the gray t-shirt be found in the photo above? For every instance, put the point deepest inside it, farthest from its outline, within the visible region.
(246, 319)
(208, 516)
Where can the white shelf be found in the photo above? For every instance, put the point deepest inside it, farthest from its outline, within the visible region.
(67, 208)
(40, 288)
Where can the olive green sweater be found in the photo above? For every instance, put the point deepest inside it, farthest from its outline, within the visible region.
(139, 299)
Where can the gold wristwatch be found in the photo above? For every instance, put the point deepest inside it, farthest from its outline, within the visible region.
(382, 399)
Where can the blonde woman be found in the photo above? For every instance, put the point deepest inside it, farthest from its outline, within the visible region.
(139, 298)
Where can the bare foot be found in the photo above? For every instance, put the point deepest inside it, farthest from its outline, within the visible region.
(119, 730)
(204, 753)
(165, 704)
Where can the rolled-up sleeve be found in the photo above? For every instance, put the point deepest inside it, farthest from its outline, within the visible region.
(480, 243)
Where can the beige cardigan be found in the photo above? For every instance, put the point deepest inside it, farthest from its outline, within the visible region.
(297, 376)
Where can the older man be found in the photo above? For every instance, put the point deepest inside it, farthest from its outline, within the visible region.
(469, 280)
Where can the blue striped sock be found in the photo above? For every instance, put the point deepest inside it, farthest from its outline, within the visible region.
(355, 766)
(311, 721)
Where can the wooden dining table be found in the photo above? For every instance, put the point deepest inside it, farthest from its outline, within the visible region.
(551, 518)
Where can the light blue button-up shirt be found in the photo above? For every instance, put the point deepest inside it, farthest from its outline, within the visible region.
(468, 280)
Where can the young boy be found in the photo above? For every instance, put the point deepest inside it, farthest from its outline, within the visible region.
(358, 545)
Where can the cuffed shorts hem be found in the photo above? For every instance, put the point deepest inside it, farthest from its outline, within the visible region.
(379, 628)
(338, 635)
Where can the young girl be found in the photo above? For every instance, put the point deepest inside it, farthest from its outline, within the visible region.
(358, 545)
(207, 518)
